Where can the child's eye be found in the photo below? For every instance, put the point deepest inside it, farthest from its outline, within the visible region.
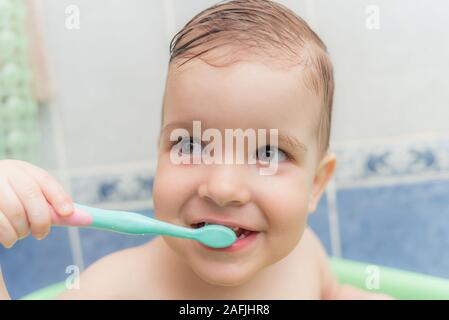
(189, 145)
(270, 153)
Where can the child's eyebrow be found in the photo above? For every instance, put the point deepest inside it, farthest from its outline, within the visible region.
(293, 142)
(175, 125)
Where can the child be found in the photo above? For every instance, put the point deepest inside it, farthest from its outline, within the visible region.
(237, 65)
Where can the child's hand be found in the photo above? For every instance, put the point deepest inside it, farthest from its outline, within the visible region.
(26, 192)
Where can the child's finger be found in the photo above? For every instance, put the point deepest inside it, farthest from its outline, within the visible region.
(34, 202)
(13, 209)
(51, 188)
(8, 236)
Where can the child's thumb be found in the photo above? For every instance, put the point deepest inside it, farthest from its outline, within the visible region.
(3, 291)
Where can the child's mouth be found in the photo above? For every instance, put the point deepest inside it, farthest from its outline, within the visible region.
(239, 232)
(244, 237)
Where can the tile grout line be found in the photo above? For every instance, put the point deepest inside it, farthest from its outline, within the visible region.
(334, 228)
(169, 18)
(73, 233)
(378, 182)
(310, 13)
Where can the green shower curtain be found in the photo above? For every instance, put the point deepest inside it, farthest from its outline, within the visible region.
(19, 130)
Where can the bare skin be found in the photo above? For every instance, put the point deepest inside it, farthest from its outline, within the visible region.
(286, 260)
(154, 271)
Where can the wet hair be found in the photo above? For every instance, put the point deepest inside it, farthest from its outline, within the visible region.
(266, 29)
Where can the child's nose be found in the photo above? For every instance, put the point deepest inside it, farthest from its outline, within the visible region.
(225, 185)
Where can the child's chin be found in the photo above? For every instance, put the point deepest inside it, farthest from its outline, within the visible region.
(214, 271)
(224, 281)
(225, 275)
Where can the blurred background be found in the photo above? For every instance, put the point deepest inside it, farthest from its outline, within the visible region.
(81, 87)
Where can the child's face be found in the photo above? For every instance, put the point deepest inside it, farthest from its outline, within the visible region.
(243, 95)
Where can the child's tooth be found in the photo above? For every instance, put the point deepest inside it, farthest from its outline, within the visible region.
(241, 236)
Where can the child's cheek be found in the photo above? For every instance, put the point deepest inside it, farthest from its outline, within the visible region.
(285, 200)
(165, 194)
(287, 213)
(172, 189)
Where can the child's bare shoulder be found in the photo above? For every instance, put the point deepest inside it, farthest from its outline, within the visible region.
(310, 247)
(317, 254)
(120, 275)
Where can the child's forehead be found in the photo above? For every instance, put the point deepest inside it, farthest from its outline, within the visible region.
(231, 58)
(247, 92)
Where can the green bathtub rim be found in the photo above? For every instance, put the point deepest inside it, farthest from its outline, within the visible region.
(47, 293)
(400, 284)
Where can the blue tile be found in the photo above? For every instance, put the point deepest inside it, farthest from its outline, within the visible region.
(319, 223)
(406, 226)
(97, 243)
(32, 264)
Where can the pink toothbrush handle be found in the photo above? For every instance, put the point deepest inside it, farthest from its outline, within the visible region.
(79, 218)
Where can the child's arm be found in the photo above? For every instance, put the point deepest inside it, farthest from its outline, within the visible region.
(330, 288)
(116, 276)
(93, 285)
(98, 281)
(3, 292)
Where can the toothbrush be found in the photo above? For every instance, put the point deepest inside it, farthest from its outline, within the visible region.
(214, 236)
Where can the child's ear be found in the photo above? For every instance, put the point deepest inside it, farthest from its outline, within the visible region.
(323, 175)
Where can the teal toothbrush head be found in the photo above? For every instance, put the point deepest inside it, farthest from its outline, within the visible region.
(216, 236)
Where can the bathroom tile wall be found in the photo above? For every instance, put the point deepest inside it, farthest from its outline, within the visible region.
(33, 264)
(401, 226)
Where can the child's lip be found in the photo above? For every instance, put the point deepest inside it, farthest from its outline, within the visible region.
(230, 224)
(236, 246)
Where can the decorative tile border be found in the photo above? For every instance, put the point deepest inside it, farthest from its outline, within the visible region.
(397, 159)
(115, 187)
(357, 163)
